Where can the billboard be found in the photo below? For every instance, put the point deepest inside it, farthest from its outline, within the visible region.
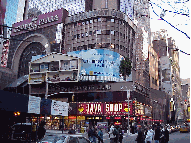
(59, 108)
(34, 104)
(102, 63)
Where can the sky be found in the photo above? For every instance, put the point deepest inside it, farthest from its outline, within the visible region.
(180, 21)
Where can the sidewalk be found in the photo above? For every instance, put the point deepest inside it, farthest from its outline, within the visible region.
(60, 132)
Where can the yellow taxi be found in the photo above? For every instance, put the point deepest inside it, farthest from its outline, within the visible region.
(184, 128)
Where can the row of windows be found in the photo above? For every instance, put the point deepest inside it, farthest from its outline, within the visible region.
(97, 20)
(101, 45)
(98, 32)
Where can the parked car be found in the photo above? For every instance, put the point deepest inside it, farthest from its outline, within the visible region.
(21, 131)
(184, 128)
(64, 139)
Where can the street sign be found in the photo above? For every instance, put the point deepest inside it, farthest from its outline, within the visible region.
(128, 93)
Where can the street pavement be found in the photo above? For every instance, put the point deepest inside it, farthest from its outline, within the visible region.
(175, 137)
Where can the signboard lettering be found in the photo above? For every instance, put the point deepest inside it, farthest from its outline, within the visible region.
(103, 108)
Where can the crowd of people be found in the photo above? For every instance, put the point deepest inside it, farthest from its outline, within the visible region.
(145, 134)
(158, 133)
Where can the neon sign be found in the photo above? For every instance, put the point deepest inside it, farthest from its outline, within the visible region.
(104, 108)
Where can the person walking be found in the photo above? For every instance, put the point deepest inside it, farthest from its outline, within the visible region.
(120, 134)
(111, 135)
(41, 131)
(166, 135)
(157, 134)
(140, 136)
(116, 133)
(149, 136)
(100, 136)
(90, 134)
(94, 134)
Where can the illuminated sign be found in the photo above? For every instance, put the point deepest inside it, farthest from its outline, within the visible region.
(117, 118)
(103, 108)
(171, 106)
(107, 117)
(117, 123)
(188, 109)
(41, 21)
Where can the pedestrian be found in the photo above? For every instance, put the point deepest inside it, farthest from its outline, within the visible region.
(41, 131)
(100, 136)
(166, 135)
(149, 136)
(94, 134)
(116, 133)
(140, 136)
(111, 136)
(162, 139)
(120, 134)
(90, 134)
(157, 134)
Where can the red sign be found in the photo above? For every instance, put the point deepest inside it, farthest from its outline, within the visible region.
(90, 108)
(43, 20)
(107, 117)
(117, 118)
(104, 108)
(117, 108)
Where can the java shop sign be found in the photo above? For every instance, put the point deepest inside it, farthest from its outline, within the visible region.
(103, 108)
(40, 21)
(95, 13)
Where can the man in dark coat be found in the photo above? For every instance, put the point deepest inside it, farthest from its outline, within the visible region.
(140, 136)
(41, 131)
(157, 134)
(90, 134)
(120, 134)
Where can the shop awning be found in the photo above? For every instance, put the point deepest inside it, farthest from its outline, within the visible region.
(19, 81)
(13, 102)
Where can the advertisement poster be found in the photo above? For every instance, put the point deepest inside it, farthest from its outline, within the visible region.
(34, 104)
(59, 108)
(99, 62)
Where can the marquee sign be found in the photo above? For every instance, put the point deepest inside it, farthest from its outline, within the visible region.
(103, 109)
(40, 21)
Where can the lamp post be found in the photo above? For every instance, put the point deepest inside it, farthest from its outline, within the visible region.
(128, 96)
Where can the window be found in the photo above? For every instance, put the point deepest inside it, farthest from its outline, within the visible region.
(74, 37)
(87, 22)
(98, 31)
(117, 46)
(94, 33)
(78, 36)
(107, 32)
(82, 35)
(74, 48)
(99, 19)
(95, 20)
(73, 140)
(83, 140)
(112, 20)
(90, 33)
(112, 32)
(91, 21)
(83, 23)
(86, 34)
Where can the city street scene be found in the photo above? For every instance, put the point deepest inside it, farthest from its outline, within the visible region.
(95, 71)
